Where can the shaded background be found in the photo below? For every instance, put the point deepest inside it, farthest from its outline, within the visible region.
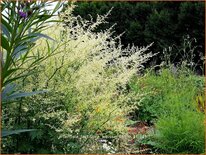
(166, 24)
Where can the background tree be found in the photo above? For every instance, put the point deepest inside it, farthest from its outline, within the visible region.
(164, 23)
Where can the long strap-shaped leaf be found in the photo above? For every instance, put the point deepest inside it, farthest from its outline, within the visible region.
(14, 96)
(5, 133)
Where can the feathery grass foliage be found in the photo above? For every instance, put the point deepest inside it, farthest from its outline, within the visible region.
(173, 105)
(181, 132)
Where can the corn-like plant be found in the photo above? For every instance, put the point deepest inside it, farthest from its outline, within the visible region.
(22, 25)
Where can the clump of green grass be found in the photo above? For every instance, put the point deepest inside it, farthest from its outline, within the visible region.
(180, 132)
(172, 105)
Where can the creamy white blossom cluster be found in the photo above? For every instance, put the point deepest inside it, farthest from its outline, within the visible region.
(93, 65)
(103, 65)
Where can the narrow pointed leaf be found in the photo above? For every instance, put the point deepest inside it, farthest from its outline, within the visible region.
(5, 133)
(19, 95)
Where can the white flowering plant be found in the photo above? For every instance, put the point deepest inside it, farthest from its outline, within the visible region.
(86, 79)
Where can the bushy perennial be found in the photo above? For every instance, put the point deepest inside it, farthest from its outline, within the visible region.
(94, 68)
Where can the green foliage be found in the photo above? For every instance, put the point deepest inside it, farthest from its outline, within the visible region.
(20, 33)
(171, 105)
(22, 23)
(180, 132)
(170, 88)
